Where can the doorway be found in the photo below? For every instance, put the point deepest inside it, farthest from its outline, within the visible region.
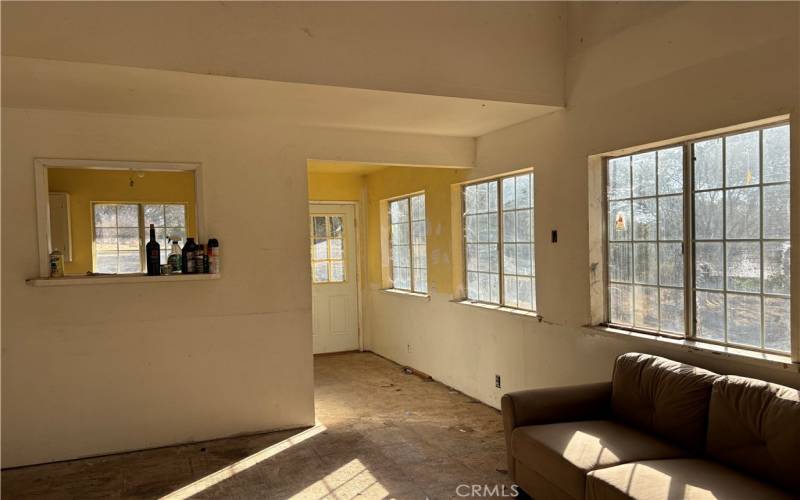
(334, 277)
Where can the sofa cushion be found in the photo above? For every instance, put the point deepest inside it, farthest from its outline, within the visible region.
(566, 451)
(663, 396)
(690, 479)
(755, 426)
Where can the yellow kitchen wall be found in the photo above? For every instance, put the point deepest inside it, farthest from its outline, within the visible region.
(114, 186)
(334, 187)
(435, 182)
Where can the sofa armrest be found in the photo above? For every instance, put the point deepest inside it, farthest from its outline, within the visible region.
(557, 404)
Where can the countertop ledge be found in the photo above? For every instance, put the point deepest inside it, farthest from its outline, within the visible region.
(119, 279)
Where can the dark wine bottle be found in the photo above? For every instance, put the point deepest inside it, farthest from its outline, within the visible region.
(153, 254)
(187, 257)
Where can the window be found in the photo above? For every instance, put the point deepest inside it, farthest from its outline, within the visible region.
(121, 231)
(170, 224)
(645, 240)
(499, 241)
(327, 249)
(407, 239)
(737, 228)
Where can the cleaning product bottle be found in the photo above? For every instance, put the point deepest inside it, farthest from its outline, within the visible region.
(56, 264)
(174, 259)
(213, 256)
(200, 259)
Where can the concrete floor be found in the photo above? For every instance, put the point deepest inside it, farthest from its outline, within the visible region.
(386, 434)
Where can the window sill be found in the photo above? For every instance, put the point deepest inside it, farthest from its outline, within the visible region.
(405, 293)
(503, 309)
(735, 354)
(118, 279)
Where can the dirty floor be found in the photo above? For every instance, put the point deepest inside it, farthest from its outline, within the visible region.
(382, 433)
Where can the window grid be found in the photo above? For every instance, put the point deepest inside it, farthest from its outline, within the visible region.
(169, 220)
(695, 266)
(730, 293)
(127, 257)
(498, 251)
(117, 247)
(327, 249)
(646, 282)
(518, 288)
(408, 243)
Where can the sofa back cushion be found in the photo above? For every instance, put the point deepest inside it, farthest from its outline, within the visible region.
(664, 397)
(755, 426)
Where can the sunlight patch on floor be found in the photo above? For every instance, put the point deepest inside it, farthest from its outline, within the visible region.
(349, 480)
(244, 464)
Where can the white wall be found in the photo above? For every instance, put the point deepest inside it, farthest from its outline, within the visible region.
(636, 73)
(511, 51)
(100, 369)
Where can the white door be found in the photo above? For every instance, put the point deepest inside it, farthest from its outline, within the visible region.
(334, 288)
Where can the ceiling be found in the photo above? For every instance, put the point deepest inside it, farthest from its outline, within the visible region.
(60, 85)
(498, 51)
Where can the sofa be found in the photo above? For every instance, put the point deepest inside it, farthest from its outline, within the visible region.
(659, 430)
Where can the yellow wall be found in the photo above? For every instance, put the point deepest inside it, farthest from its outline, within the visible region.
(398, 181)
(391, 182)
(334, 187)
(86, 186)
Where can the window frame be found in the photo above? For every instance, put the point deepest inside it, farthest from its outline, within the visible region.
(412, 281)
(328, 237)
(689, 241)
(500, 244)
(141, 231)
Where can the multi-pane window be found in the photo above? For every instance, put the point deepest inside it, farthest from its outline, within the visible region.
(327, 249)
(407, 239)
(741, 233)
(645, 240)
(737, 275)
(499, 242)
(121, 231)
(170, 224)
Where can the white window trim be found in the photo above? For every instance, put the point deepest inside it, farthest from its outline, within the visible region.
(598, 240)
(41, 165)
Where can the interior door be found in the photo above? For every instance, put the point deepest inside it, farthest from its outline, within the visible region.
(334, 288)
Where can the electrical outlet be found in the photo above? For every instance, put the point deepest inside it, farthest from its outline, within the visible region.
(497, 381)
(408, 347)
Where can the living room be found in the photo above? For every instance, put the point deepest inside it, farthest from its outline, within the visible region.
(496, 197)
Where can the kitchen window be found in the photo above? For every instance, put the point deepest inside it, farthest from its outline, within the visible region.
(121, 232)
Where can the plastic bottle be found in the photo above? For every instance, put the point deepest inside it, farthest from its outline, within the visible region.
(174, 259)
(200, 259)
(56, 264)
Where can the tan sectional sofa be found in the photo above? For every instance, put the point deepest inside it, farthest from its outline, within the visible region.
(659, 430)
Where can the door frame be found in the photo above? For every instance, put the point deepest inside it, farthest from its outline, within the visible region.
(359, 302)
